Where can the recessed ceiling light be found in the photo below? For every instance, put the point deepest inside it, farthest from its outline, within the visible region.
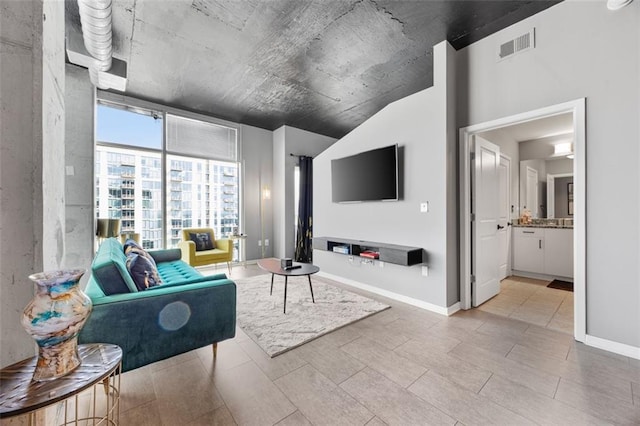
(562, 148)
(617, 4)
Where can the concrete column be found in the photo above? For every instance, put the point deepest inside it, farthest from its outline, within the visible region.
(31, 188)
(79, 157)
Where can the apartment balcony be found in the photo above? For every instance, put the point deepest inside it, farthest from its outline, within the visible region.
(128, 175)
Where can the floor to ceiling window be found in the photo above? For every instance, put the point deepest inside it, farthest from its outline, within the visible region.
(159, 172)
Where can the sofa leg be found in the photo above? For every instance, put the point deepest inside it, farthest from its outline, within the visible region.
(215, 350)
(229, 266)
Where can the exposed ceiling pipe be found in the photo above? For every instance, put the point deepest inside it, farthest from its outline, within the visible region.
(95, 17)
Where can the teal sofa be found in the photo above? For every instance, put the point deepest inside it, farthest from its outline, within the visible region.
(187, 311)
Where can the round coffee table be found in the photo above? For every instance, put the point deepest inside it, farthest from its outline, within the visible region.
(273, 266)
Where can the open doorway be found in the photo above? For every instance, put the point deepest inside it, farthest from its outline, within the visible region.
(479, 225)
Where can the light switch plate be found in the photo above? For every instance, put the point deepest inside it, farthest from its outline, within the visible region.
(424, 207)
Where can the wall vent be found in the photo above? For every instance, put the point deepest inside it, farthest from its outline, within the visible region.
(519, 44)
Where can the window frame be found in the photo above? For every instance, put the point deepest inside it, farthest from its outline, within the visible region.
(133, 104)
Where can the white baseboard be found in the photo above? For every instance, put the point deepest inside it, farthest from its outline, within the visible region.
(395, 296)
(539, 276)
(615, 347)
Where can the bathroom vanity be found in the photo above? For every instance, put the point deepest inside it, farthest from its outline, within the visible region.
(543, 249)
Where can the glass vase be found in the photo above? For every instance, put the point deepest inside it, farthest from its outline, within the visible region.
(53, 318)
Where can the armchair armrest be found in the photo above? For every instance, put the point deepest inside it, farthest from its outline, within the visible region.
(224, 244)
(188, 249)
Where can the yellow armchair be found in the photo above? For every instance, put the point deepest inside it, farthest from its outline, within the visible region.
(222, 251)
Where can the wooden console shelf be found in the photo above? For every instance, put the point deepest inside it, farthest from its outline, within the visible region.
(391, 253)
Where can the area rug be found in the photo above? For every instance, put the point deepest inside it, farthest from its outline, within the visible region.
(561, 285)
(260, 315)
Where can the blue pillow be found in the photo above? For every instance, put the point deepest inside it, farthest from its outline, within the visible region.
(143, 271)
(203, 240)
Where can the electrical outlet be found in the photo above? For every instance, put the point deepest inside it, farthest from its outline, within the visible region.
(259, 243)
(266, 242)
(350, 259)
(424, 207)
(425, 271)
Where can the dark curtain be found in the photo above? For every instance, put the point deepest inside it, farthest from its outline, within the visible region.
(304, 232)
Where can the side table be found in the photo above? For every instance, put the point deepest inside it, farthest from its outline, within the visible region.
(99, 371)
(241, 247)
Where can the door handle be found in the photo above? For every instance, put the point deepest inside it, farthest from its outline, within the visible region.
(500, 227)
(539, 244)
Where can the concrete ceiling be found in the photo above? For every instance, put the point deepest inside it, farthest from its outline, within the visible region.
(323, 66)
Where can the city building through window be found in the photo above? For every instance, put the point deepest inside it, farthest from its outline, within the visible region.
(159, 172)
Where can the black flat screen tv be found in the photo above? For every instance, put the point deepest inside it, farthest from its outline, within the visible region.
(367, 176)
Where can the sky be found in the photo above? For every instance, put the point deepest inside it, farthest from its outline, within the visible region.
(125, 127)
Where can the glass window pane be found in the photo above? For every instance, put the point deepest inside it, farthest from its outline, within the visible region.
(116, 125)
(201, 185)
(201, 139)
(201, 193)
(130, 189)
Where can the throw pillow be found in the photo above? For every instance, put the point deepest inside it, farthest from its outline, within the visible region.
(131, 244)
(143, 271)
(203, 240)
(132, 247)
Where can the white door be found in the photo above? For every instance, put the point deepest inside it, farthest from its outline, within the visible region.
(551, 197)
(504, 215)
(485, 207)
(532, 191)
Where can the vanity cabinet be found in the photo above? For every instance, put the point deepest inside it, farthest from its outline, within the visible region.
(558, 252)
(528, 254)
(547, 251)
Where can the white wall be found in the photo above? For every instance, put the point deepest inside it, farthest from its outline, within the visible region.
(418, 123)
(289, 140)
(556, 167)
(257, 160)
(278, 193)
(582, 50)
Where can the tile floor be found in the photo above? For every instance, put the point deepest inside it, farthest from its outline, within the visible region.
(474, 367)
(530, 300)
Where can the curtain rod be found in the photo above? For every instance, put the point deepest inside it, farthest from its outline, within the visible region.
(296, 155)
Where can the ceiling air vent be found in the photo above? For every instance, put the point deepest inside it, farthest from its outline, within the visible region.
(519, 44)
